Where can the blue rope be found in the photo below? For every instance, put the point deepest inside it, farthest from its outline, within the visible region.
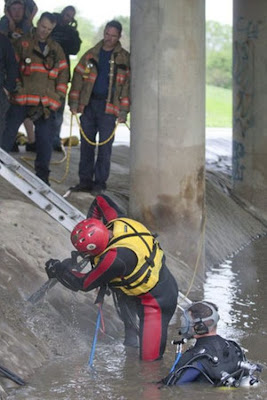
(91, 358)
(176, 361)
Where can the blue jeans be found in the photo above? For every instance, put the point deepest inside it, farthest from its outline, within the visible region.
(44, 134)
(94, 120)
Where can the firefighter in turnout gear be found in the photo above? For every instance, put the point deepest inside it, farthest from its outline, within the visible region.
(100, 92)
(41, 87)
(128, 259)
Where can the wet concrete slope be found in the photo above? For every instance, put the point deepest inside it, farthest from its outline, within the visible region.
(32, 335)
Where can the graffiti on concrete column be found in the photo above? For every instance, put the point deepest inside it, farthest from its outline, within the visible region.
(246, 32)
(238, 166)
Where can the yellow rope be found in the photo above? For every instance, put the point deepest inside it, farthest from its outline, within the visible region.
(27, 159)
(67, 156)
(127, 125)
(200, 249)
(95, 143)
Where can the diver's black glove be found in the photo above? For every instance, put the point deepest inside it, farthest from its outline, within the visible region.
(51, 268)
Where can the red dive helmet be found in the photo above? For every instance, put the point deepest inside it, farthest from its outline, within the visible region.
(90, 236)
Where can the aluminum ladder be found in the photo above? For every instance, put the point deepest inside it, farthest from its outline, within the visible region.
(39, 192)
(48, 200)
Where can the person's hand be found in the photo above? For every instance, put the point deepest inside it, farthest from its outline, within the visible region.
(81, 108)
(122, 118)
(73, 110)
(50, 268)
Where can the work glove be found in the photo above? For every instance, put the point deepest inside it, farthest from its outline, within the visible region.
(51, 268)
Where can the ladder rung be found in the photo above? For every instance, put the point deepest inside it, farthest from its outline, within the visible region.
(40, 193)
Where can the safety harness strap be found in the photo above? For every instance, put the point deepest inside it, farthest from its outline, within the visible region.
(127, 235)
(149, 263)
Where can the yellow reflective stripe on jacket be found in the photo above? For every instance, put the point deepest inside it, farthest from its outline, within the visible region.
(136, 237)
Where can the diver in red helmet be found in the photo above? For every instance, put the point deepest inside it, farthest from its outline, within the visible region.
(128, 259)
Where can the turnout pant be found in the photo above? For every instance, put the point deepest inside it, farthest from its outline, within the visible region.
(94, 120)
(44, 133)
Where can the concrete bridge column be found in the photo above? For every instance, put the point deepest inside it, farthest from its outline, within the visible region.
(249, 102)
(168, 121)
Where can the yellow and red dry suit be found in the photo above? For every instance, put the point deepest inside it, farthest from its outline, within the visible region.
(133, 265)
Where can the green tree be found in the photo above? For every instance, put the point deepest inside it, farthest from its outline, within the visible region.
(87, 33)
(218, 54)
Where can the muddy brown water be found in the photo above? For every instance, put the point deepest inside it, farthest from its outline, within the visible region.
(238, 286)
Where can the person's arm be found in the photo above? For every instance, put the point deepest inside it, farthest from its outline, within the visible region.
(68, 38)
(30, 10)
(77, 83)
(75, 44)
(11, 23)
(33, 13)
(12, 70)
(63, 74)
(104, 208)
(111, 265)
(125, 92)
(71, 41)
(189, 374)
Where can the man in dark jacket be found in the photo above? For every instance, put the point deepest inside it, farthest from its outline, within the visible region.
(67, 35)
(212, 359)
(8, 76)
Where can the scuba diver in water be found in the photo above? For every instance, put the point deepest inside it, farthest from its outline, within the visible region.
(127, 258)
(212, 359)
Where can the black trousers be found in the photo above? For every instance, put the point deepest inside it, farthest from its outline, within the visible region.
(44, 134)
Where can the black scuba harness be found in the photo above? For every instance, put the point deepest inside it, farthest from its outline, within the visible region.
(244, 368)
